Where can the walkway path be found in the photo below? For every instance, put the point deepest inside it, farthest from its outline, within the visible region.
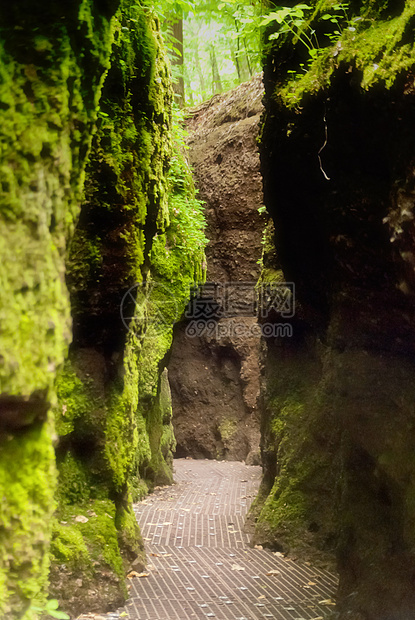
(200, 564)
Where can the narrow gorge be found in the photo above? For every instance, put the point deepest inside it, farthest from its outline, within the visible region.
(214, 372)
(244, 292)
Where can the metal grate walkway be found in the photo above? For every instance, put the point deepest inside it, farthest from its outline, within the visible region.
(199, 562)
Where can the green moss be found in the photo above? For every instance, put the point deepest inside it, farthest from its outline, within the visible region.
(26, 512)
(75, 481)
(114, 411)
(227, 429)
(138, 488)
(268, 274)
(138, 223)
(48, 105)
(73, 398)
(294, 509)
(68, 547)
(86, 539)
(129, 537)
(42, 157)
(284, 509)
(286, 506)
(161, 435)
(127, 445)
(285, 411)
(379, 47)
(85, 259)
(177, 265)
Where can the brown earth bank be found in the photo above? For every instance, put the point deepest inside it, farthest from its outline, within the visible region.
(214, 374)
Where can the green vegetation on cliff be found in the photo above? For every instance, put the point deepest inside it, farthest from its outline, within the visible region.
(47, 108)
(372, 38)
(337, 152)
(130, 261)
(85, 105)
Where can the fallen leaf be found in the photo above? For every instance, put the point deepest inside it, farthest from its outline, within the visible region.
(311, 583)
(327, 601)
(262, 596)
(135, 574)
(260, 547)
(273, 572)
(81, 519)
(237, 567)
(279, 554)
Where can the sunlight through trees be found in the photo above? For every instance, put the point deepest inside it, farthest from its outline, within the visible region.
(213, 45)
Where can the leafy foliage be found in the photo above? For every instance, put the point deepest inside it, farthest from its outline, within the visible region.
(221, 43)
(223, 39)
(187, 220)
(296, 20)
(51, 610)
(226, 32)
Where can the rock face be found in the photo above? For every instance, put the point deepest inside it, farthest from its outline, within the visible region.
(214, 373)
(339, 431)
(94, 224)
(47, 110)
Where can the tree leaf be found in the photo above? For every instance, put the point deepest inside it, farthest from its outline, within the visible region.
(237, 567)
(52, 603)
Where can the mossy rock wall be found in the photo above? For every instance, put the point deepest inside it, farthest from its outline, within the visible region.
(128, 284)
(338, 433)
(88, 213)
(53, 59)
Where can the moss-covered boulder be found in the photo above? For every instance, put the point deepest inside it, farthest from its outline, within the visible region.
(337, 157)
(96, 223)
(53, 59)
(132, 263)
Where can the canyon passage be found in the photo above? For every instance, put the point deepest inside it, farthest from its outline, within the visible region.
(207, 271)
